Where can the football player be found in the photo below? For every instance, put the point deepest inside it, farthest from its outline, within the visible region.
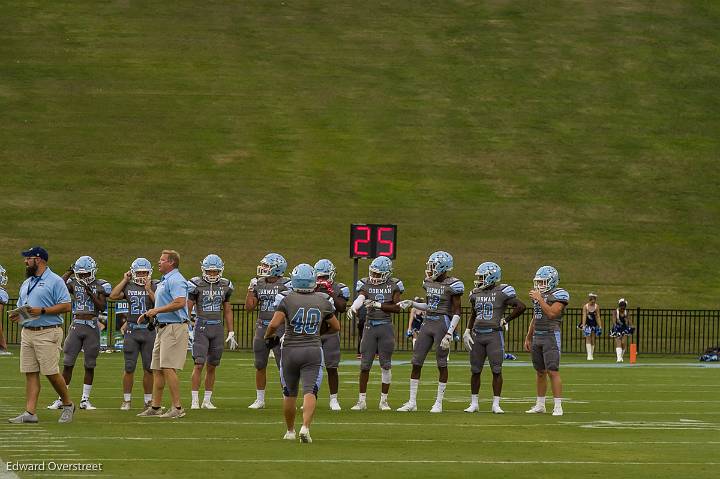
(261, 294)
(622, 327)
(210, 296)
(340, 293)
(4, 298)
(89, 299)
(138, 288)
(543, 336)
(302, 311)
(442, 315)
(591, 324)
(483, 337)
(378, 293)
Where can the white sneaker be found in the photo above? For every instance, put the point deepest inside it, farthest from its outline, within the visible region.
(557, 411)
(57, 404)
(125, 406)
(497, 410)
(208, 405)
(384, 406)
(257, 405)
(86, 404)
(437, 407)
(536, 409)
(195, 405)
(305, 436)
(289, 435)
(619, 360)
(360, 406)
(335, 405)
(407, 407)
(472, 408)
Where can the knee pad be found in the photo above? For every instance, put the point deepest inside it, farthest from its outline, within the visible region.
(386, 376)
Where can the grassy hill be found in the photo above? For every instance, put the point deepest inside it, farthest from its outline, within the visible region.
(580, 134)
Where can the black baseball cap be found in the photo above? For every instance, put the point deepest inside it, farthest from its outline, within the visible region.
(38, 251)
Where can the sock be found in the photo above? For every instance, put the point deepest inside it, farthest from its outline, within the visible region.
(592, 349)
(147, 397)
(473, 399)
(383, 397)
(361, 397)
(496, 401)
(194, 395)
(414, 383)
(440, 392)
(619, 352)
(127, 397)
(540, 401)
(558, 402)
(208, 395)
(588, 347)
(86, 392)
(333, 396)
(260, 395)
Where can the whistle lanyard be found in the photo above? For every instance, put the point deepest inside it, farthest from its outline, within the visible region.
(29, 289)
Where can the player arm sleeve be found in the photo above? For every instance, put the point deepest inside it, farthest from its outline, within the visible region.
(358, 302)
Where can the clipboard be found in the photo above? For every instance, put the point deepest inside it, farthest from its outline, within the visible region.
(24, 313)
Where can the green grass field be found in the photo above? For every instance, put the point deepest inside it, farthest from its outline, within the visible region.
(580, 134)
(658, 418)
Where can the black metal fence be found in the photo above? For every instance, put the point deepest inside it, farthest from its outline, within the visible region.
(657, 331)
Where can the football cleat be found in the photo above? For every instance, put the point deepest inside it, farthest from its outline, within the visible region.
(289, 435)
(57, 404)
(360, 406)
(557, 411)
(257, 405)
(438, 263)
(437, 407)
(125, 406)
(497, 410)
(384, 406)
(536, 409)
(488, 274)
(335, 405)
(472, 408)
(195, 405)
(407, 407)
(208, 405)
(305, 435)
(87, 405)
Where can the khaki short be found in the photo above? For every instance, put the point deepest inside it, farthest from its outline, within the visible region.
(40, 351)
(170, 348)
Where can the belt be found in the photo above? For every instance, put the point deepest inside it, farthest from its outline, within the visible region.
(487, 330)
(542, 333)
(377, 322)
(264, 322)
(40, 328)
(162, 325)
(86, 322)
(435, 318)
(209, 322)
(137, 325)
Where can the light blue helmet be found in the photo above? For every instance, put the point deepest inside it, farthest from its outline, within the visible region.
(325, 267)
(487, 275)
(438, 263)
(212, 262)
(546, 279)
(303, 278)
(272, 264)
(138, 266)
(380, 270)
(86, 267)
(3, 276)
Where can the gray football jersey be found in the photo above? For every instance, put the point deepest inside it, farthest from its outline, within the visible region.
(303, 314)
(439, 295)
(490, 304)
(266, 292)
(81, 301)
(382, 293)
(4, 297)
(138, 300)
(542, 322)
(209, 297)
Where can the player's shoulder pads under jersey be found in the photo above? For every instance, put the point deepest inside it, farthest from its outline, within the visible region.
(455, 285)
(4, 297)
(560, 295)
(344, 291)
(508, 290)
(104, 285)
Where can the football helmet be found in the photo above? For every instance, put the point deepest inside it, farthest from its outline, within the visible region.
(438, 263)
(212, 262)
(325, 267)
(303, 278)
(272, 264)
(380, 270)
(85, 269)
(487, 275)
(138, 266)
(3, 276)
(546, 279)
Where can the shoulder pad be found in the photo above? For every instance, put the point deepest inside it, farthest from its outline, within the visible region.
(359, 285)
(105, 285)
(561, 295)
(4, 297)
(228, 283)
(400, 285)
(456, 286)
(195, 280)
(508, 290)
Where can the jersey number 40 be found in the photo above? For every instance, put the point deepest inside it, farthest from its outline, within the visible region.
(306, 321)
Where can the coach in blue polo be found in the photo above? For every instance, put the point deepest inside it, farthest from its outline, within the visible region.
(171, 341)
(47, 298)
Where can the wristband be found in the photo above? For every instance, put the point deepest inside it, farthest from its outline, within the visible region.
(42, 310)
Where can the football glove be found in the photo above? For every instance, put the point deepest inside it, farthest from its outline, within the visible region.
(370, 303)
(504, 323)
(327, 285)
(468, 341)
(231, 340)
(445, 343)
(272, 341)
(405, 304)
(350, 314)
(252, 285)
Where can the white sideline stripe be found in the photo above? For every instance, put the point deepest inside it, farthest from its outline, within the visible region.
(412, 461)
(180, 422)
